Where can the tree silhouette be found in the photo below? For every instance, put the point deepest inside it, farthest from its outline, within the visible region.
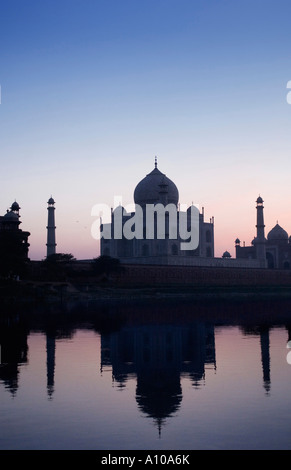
(105, 265)
(57, 266)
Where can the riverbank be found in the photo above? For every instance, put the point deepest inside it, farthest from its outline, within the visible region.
(53, 293)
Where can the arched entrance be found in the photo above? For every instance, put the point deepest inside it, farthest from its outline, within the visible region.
(270, 260)
(286, 265)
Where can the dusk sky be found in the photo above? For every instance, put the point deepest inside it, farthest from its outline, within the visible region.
(92, 90)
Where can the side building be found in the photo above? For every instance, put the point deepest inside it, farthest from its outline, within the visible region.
(275, 249)
(14, 244)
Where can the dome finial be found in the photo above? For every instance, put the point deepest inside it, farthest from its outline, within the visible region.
(156, 162)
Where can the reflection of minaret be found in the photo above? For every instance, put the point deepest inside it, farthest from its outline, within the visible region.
(51, 229)
(265, 352)
(50, 362)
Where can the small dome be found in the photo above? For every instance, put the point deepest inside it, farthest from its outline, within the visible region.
(277, 233)
(150, 190)
(11, 215)
(237, 241)
(226, 254)
(260, 200)
(15, 207)
(51, 201)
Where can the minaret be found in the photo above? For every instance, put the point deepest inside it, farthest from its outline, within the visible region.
(51, 229)
(260, 241)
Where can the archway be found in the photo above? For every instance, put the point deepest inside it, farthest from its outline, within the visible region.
(270, 260)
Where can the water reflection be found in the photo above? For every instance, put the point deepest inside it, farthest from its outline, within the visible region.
(158, 355)
(54, 333)
(50, 362)
(263, 333)
(265, 356)
(13, 342)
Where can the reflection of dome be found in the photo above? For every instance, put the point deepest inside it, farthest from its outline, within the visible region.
(150, 188)
(277, 233)
(159, 399)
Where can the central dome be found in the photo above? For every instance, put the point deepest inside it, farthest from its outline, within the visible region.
(156, 188)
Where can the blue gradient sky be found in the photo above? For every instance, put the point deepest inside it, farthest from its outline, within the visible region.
(92, 90)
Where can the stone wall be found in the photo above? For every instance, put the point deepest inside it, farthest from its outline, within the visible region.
(195, 276)
(172, 260)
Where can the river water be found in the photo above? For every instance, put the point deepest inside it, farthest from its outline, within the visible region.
(163, 377)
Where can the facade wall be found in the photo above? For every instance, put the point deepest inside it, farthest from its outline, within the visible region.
(245, 252)
(278, 254)
(145, 250)
(206, 242)
(281, 254)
